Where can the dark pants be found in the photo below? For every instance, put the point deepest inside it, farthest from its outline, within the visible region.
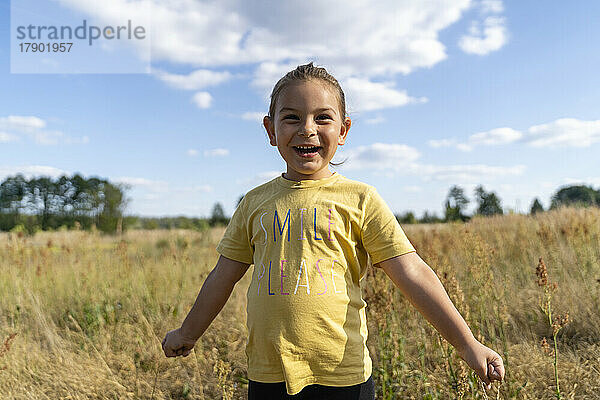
(277, 391)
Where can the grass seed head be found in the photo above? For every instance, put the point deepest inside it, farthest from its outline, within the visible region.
(542, 273)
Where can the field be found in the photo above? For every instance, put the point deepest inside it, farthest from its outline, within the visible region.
(82, 315)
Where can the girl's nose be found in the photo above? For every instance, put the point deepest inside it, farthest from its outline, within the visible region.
(307, 129)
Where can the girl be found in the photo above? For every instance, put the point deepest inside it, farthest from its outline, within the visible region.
(310, 234)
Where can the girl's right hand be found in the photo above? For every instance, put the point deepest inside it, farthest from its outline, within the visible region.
(175, 344)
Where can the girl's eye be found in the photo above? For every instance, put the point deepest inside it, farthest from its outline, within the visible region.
(323, 116)
(290, 116)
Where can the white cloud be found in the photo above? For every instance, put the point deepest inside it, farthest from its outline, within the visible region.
(565, 132)
(195, 80)
(590, 180)
(464, 147)
(559, 133)
(491, 6)
(466, 173)
(495, 137)
(216, 153)
(22, 123)
(379, 156)
(202, 100)
(376, 120)
(31, 171)
(7, 137)
(413, 189)
(32, 127)
(385, 38)
(365, 95)
(142, 182)
(400, 159)
(253, 116)
(481, 42)
(192, 152)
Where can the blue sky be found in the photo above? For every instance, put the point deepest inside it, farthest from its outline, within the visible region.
(503, 94)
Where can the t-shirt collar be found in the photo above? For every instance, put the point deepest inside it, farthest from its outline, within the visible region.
(308, 183)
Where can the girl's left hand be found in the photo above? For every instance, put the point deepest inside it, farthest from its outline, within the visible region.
(486, 363)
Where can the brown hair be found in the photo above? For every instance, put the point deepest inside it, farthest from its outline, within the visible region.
(304, 73)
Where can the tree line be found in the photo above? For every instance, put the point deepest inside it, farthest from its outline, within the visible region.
(44, 203)
(76, 202)
(489, 203)
(30, 205)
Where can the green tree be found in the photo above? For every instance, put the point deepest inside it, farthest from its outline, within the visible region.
(456, 202)
(489, 203)
(111, 207)
(577, 195)
(44, 200)
(217, 216)
(428, 218)
(536, 207)
(406, 218)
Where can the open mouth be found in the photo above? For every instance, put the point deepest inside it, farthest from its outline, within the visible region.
(307, 151)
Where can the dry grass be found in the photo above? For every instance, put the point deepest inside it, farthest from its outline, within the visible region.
(82, 315)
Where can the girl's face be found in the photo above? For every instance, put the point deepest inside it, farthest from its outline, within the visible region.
(307, 128)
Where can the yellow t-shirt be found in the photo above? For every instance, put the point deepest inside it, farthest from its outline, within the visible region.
(309, 242)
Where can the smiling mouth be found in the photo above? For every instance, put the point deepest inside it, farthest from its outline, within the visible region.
(307, 151)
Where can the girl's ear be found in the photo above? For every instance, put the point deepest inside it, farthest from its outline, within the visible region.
(344, 131)
(270, 128)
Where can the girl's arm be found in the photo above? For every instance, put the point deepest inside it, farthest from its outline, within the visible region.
(212, 297)
(419, 283)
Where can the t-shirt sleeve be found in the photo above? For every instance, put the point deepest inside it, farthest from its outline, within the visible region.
(235, 243)
(382, 236)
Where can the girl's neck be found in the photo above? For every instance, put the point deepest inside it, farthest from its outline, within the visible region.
(295, 176)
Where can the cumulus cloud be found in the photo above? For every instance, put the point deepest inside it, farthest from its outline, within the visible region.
(492, 137)
(467, 173)
(376, 120)
(483, 40)
(487, 35)
(562, 132)
(14, 127)
(196, 80)
(216, 153)
(365, 95)
(22, 123)
(7, 137)
(491, 6)
(495, 136)
(158, 186)
(31, 171)
(400, 159)
(202, 100)
(565, 132)
(385, 39)
(379, 156)
(253, 116)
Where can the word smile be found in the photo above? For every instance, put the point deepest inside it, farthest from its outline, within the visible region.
(279, 228)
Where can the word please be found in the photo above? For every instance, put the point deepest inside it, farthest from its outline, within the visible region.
(262, 271)
(279, 228)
